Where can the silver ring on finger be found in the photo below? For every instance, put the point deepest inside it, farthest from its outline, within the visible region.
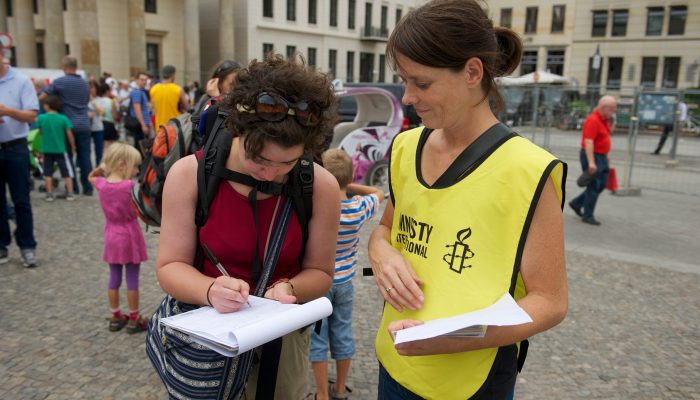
(389, 289)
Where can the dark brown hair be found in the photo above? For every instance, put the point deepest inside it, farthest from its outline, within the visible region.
(339, 164)
(293, 80)
(53, 101)
(447, 33)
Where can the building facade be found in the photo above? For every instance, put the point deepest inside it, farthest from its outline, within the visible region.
(121, 37)
(615, 44)
(345, 38)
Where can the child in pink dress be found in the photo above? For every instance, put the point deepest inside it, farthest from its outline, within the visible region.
(124, 245)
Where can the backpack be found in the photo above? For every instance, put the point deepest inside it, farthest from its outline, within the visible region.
(174, 140)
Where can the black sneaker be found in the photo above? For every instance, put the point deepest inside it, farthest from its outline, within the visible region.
(591, 221)
(577, 210)
(29, 258)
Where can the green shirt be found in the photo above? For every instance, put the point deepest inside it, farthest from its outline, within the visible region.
(53, 132)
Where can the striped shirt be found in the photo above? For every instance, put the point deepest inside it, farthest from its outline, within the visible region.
(354, 213)
(74, 93)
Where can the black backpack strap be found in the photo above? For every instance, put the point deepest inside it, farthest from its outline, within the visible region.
(475, 154)
(303, 185)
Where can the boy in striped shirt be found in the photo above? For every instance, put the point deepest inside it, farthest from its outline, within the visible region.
(336, 330)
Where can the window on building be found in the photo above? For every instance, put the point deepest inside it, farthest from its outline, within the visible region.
(291, 51)
(366, 67)
(267, 48)
(676, 20)
(600, 23)
(350, 68)
(152, 58)
(614, 73)
(558, 15)
(382, 69)
(384, 28)
(35, 8)
(67, 48)
(619, 22)
(655, 20)
(65, 5)
(531, 20)
(672, 66)
(368, 19)
(150, 6)
(332, 58)
(399, 14)
(593, 72)
(506, 17)
(8, 8)
(40, 60)
(555, 61)
(649, 67)
(351, 14)
(268, 7)
(291, 10)
(529, 62)
(13, 54)
(312, 11)
(333, 19)
(311, 55)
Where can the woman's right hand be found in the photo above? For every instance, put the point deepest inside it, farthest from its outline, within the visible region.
(228, 294)
(396, 279)
(213, 87)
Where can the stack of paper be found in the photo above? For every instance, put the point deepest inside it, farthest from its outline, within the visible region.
(472, 324)
(251, 326)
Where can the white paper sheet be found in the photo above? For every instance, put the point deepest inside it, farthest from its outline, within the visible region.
(503, 312)
(264, 320)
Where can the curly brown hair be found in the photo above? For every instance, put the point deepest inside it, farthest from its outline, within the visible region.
(293, 80)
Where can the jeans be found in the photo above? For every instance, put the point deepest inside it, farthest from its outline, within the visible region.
(98, 138)
(83, 150)
(336, 329)
(588, 199)
(14, 172)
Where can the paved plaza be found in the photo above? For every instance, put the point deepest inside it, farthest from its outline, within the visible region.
(632, 331)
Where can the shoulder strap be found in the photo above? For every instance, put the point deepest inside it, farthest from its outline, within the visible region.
(475, 154)
(303, 179)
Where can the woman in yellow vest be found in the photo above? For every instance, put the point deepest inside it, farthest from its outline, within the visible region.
(475, 212)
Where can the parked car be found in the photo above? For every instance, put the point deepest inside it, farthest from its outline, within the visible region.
(348, 107)
(370, 118)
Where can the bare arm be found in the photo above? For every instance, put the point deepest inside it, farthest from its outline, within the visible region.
(543, 271)
(71, 139)
(28, 116)
(139, 117)
(95, 173)
(592, 168)
(365, 190)
(184, 102)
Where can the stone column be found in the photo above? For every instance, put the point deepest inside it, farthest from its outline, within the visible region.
(137, 37)
(191, 31)
(3, 15)
(25, 36)
(55, 39)
(226, 28)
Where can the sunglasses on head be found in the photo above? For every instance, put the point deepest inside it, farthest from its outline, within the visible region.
(227, 65)
(274, 108)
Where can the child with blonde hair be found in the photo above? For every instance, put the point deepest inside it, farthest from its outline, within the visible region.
(124, 245)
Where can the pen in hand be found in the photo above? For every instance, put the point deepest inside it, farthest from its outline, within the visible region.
(212, 258)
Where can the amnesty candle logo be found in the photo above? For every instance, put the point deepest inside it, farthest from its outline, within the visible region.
(460, 252)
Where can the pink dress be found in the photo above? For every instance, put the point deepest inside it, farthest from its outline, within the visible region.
(124, 242)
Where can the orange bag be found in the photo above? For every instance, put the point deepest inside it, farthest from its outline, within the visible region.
(612, 181)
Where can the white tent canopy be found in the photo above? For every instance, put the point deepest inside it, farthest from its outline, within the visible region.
(532, 78)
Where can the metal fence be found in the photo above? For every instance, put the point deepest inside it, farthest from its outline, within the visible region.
(552, 117)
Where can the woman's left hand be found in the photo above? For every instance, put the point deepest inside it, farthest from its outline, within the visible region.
(425, 347)
(282, 292)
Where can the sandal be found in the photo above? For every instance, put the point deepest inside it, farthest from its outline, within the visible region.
(337, 396)
(139, 324)
(116, 324)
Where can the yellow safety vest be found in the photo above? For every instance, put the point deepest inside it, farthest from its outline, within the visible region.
(465, 242)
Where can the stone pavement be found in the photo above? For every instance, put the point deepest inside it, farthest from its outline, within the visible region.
(632, 331)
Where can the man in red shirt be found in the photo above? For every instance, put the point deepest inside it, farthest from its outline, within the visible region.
(595, 147)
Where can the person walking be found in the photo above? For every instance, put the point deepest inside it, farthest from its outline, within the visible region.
(74, 93)
(124, 245)
(682, 112)
(336, 330)
(138, 119)
(18, 108)
(595, 159)
(96, 112)
(168, 98)
(55, 130)
(475, 212)
(110, 115)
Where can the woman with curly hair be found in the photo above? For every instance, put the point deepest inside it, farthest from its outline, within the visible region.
(278, 111)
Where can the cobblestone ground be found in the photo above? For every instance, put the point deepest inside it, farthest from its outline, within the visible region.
(632, 330)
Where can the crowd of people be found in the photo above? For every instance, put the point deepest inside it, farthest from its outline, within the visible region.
(278, 115)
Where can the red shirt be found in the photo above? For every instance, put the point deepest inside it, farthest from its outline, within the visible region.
(230, 235)
(597, 129)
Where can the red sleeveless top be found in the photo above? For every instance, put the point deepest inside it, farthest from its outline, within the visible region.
(230, 234)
